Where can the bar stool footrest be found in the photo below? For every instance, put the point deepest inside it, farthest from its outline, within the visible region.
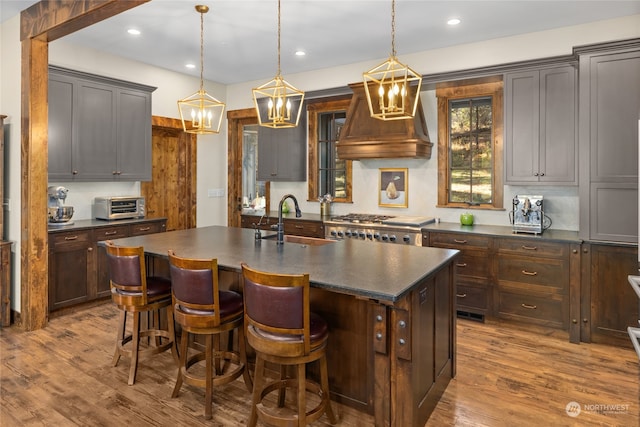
(268, 417)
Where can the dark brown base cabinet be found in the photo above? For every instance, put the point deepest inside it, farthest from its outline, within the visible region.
(77, 266)
(293, 226)
(524, 278)
(609, 304)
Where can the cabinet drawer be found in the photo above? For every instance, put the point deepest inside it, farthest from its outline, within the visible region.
(472, 297)
(146, 228)
(459, 240)
(304, 228)
(473, 264)
(545, 272)
(530, 247)
(106, 233)
(59, 241)
(541, 309)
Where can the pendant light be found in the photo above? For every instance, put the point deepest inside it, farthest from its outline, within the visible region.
(392, 88)
(278, 103)
(200, 112)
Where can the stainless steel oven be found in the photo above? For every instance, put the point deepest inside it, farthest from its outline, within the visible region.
(377, 228)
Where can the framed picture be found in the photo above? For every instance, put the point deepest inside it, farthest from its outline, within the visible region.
(394, 188)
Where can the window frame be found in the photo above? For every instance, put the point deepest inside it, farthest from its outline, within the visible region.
(314, 108)
(476, 88)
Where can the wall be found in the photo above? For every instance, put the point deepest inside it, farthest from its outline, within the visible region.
(562, 202)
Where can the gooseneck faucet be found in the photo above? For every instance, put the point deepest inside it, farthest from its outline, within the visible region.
(280, 222)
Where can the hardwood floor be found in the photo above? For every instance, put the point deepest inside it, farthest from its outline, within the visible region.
(507, 376)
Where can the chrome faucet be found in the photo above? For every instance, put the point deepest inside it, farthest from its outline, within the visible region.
(280, 228)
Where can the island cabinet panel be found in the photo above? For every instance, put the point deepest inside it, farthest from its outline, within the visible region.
(609, 305)
(78, 271)
(422, 348)
(5, 283)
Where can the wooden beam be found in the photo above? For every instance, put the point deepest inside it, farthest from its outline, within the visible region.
(51, 20)
(43, 22)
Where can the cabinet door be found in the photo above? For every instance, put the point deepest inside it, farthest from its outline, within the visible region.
(558, 126)
(134, 135)
(522, 112)
(71, 269)
(60, 137)
(541, 122)
(282, 153)
(95, 155)
(611, 304)
(610, 93)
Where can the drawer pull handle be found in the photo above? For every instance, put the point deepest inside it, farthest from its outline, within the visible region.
(461, 295)
(461, 264)
(529, 307)
(144, 228)
(300, 227)
(460, 241)
(71, 238)
(110, 233)
(530, 273)
(529, 248)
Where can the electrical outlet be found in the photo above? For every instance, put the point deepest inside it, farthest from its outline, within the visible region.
(215, 192)
(6, 204)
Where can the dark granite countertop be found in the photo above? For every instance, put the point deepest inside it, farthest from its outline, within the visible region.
(376, 271)
(81, 224)
(549, 235)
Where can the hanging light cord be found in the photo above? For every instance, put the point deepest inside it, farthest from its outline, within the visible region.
(278, 73)
(393, 28)
(202, 12)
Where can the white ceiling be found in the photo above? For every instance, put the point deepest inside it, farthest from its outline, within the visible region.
(241, 35)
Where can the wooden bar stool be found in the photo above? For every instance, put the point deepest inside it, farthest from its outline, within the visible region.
(135, 293)
(200, 308)
(282, 330)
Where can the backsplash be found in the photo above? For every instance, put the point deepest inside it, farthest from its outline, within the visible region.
(81, 194)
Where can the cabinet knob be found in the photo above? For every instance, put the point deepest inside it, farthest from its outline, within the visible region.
(402, 324)
(379, 318)
(542, 174)
(402, 341)
(585, 320)
(75, 172)
(536, 174)
(574, 321)
(575, 251)
(90, 249)
(379, 336)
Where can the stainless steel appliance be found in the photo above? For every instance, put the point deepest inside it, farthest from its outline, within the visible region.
(58, 213)
(377, 228)
(527, 215)
(121, 207)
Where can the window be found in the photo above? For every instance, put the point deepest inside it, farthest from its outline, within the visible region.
(470, 144)
(327, 173)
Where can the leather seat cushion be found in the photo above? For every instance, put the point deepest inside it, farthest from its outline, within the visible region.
(230, 303)
(318, 331)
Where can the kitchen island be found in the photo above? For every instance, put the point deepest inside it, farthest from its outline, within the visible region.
(390, 310)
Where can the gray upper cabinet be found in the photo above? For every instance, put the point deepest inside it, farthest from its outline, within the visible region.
(282, 152)
(609, 118)
(99, 128)
(541, 126)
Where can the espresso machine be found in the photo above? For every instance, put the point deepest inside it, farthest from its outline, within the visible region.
(59, 214)
(527, 215)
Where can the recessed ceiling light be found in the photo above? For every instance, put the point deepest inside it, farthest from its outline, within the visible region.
(133, 32)
(453, 21)
(190, 66)
(300, 53)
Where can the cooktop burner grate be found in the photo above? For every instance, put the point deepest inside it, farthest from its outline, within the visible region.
(362, 218)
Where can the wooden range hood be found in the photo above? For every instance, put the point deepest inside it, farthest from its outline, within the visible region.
(363, 137)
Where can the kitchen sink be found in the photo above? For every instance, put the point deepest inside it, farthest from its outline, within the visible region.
(311, 241)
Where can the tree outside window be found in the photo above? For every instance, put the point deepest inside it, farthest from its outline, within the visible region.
(470, 144)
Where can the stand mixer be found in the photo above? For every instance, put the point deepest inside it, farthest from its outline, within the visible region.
(59, 214)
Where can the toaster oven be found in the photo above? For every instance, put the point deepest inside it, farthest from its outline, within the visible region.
(121, 207)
